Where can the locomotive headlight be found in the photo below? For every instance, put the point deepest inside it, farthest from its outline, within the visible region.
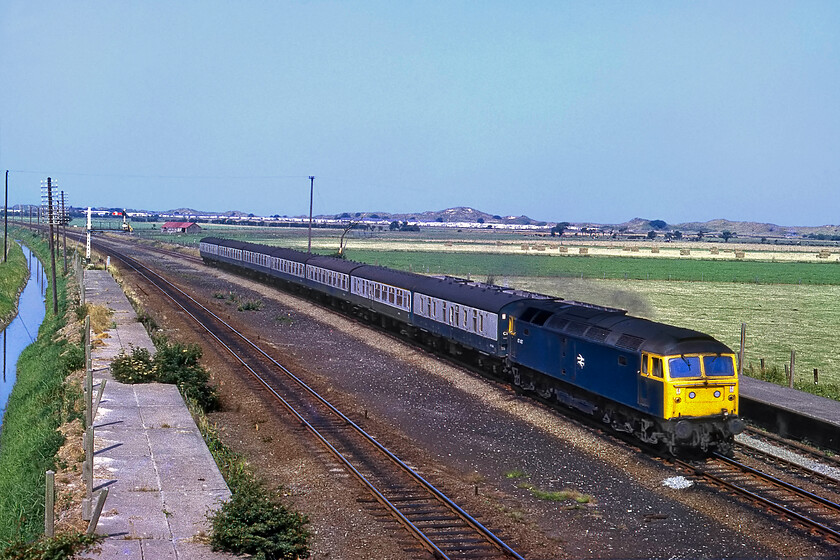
(717, 394)
(732, 388)
(692, 394)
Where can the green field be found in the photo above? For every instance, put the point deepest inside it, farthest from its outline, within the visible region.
(604, 268)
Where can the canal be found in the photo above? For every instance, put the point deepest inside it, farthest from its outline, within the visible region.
(22, 331)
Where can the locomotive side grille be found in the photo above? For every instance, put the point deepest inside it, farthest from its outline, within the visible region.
(557, 322)
(598, 334)
(629, 341)
(575, 328)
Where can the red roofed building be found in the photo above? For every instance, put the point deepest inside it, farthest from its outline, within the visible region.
(180, 227)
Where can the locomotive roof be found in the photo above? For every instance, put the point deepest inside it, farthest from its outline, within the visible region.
(616, 328)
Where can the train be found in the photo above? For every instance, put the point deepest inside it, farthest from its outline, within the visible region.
(672, 388)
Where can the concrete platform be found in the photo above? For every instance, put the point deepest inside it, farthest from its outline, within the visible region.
(161, 477)
(791, 413)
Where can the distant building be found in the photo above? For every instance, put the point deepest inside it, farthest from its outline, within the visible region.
(180, 227)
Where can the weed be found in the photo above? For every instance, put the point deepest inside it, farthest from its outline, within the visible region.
(556, 496)
(516, 473)
(62, 546)
(147, 321)
(284, 319)
(250, 305)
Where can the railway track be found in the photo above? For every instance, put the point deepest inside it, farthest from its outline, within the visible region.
(818, 515)
(810, 462)
(437, 523)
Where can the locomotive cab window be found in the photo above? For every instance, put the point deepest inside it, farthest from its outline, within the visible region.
(718, 366)
(656, 367)
(684, 366)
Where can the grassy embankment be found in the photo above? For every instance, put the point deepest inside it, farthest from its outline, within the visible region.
(39, 404)
(13, 275)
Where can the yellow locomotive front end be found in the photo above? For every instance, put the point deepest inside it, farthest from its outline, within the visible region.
(700, 385)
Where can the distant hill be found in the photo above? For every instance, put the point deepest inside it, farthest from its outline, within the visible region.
(449, 215)
(465, 214)
(743, 229)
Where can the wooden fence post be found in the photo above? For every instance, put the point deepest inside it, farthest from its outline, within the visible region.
(87, 473)
(88, 376)
(97, 511)
(49, 505)
(792, 363)
(741, 352)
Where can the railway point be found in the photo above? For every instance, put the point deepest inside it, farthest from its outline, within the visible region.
(161, 478)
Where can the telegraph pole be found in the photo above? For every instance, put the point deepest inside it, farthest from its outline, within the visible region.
(64, 230)
(50, 215)
(311, 191)
(6, 221)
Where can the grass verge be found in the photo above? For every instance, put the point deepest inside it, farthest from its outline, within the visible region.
(38, 405)
(13, 275)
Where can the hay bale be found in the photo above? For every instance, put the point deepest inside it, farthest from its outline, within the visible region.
(524, 246)
(654, 249)
(583, 250)
(740, 254)
(563, 249)
(634, 250)
(685, 252)
(714, 251)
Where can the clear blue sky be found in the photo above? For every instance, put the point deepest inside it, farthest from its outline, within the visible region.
(564, 111)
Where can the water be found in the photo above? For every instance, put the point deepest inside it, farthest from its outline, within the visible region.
(24, 328)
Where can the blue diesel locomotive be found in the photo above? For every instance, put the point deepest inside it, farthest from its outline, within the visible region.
(670, 387)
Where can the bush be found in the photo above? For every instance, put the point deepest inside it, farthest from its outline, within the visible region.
(173, 363)
(254, 521)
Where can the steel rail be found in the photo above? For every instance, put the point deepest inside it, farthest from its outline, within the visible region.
(795, 445)
(781, 483)
(749, 449)
(770, 504)
(440, 496)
